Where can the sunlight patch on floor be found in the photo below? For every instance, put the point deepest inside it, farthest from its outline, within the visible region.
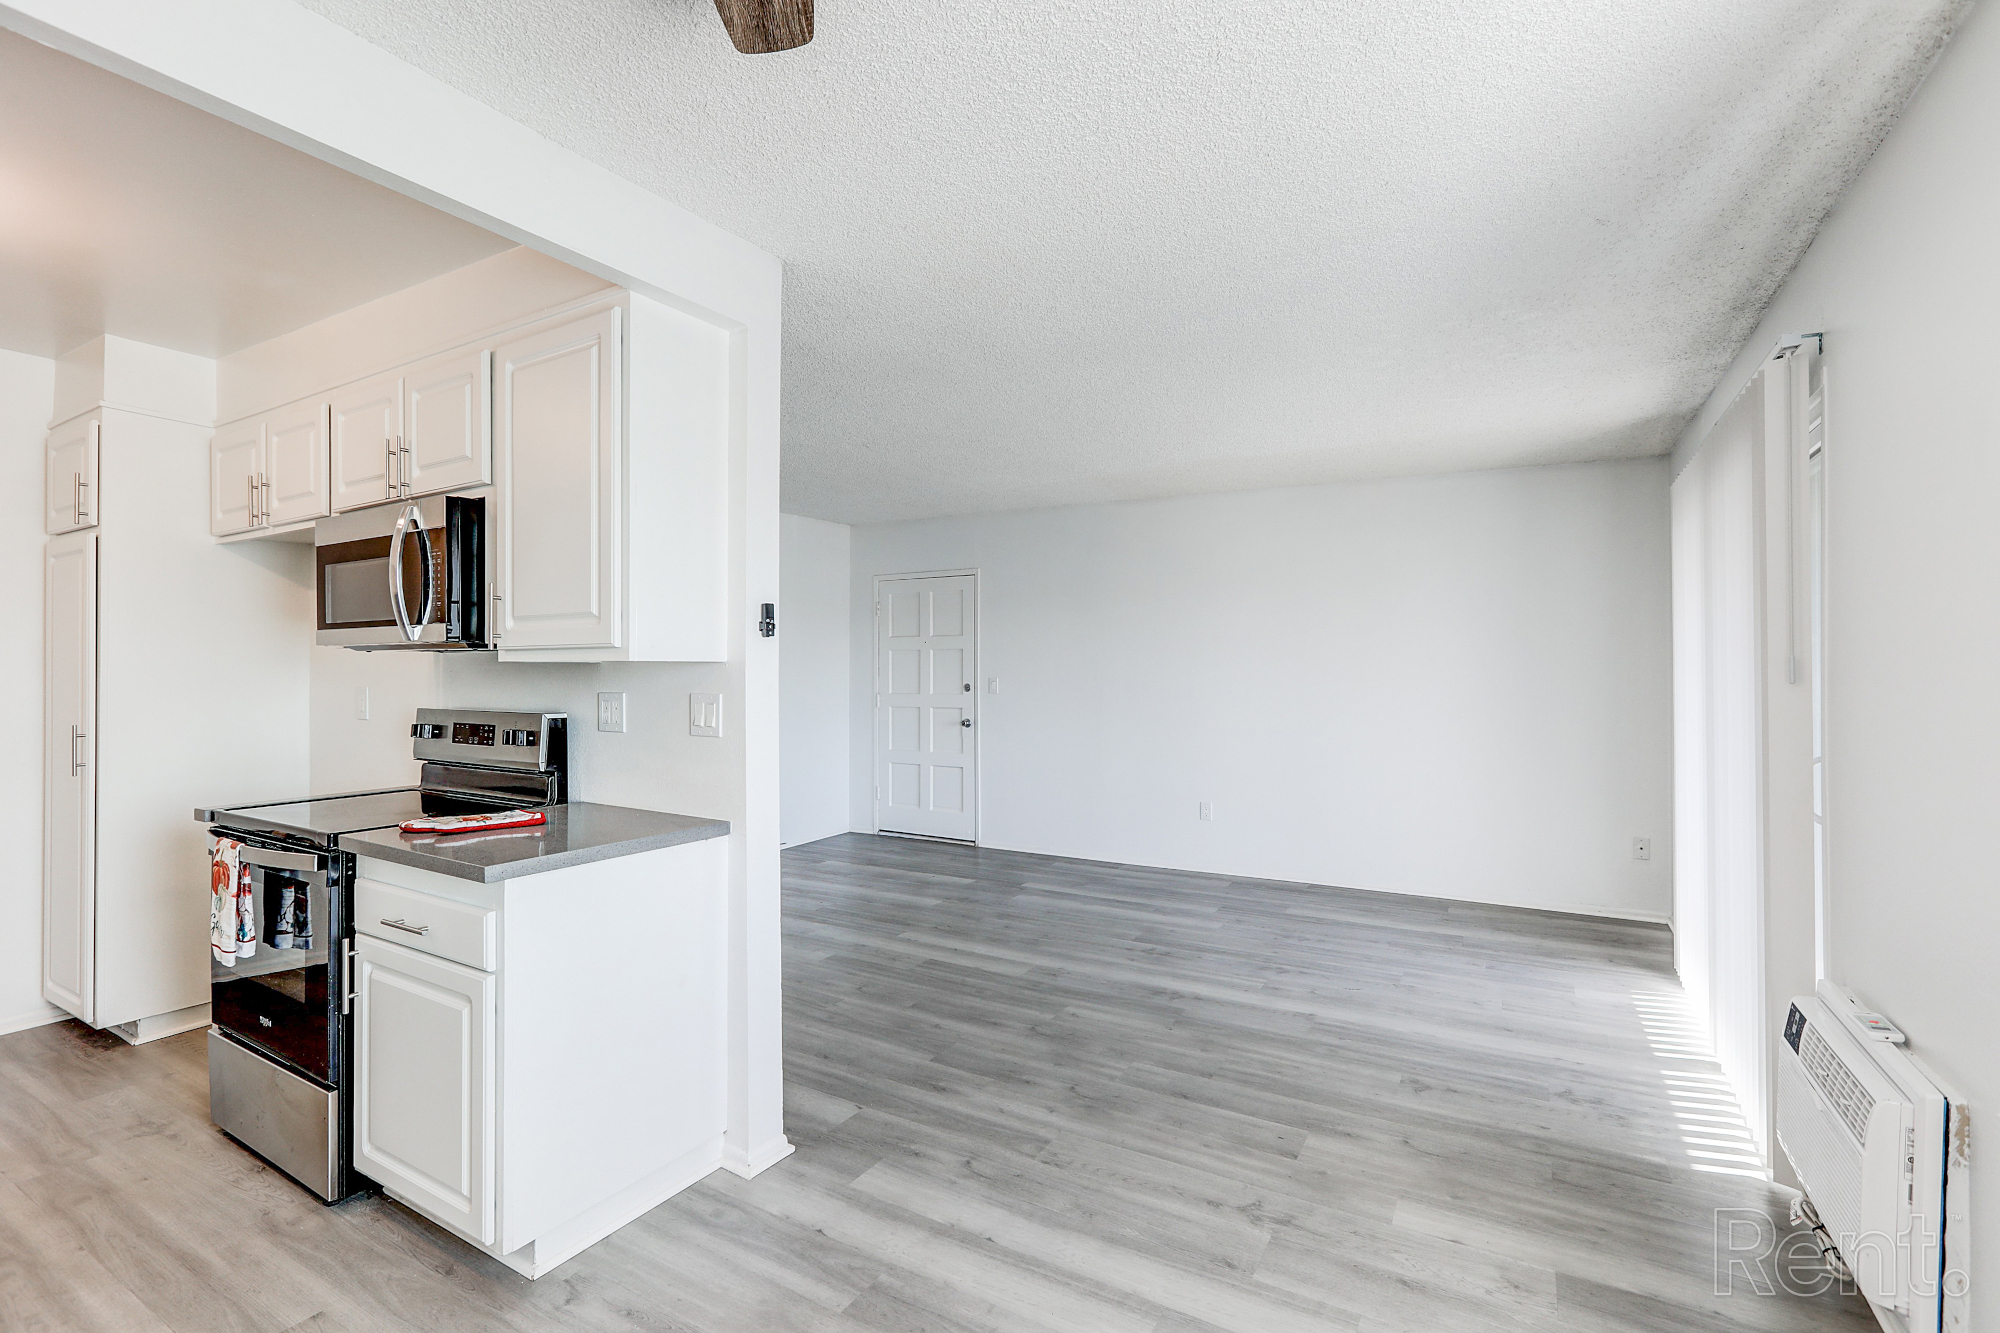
(1711, 1123)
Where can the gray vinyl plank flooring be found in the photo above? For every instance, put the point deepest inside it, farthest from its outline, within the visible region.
(1030, 1095)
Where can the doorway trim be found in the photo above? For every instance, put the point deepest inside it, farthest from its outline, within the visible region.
(875, 704)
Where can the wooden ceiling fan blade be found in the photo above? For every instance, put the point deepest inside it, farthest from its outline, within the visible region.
(760, 26)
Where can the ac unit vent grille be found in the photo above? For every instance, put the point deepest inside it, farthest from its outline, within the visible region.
(1841, 1089)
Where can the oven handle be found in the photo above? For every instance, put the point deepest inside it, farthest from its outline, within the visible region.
(273, 860)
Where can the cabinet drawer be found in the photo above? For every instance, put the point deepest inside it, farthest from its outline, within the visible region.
(425, 922)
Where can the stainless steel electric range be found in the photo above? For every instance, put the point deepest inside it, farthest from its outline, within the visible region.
(282, 1022)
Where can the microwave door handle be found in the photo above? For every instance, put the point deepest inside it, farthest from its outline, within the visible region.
(430, 583)
(397, 602)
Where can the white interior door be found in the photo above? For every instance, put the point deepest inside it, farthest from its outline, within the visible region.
(447, 422)
(69, 785)
(926, 710)
(367, 431)
(423, 1097)
(558, 484)
(72, 475)
(296, 465)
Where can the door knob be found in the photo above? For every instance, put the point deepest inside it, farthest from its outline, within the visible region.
(965, 722)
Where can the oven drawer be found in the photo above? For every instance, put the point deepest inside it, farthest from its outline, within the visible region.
(427, 923)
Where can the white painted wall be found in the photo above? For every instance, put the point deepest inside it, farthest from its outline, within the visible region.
(1903, 283)
(27, 394)
(814, 680)
(1452, 686)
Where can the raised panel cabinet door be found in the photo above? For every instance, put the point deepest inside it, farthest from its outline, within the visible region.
(926, 710)
(297, 464)
(423, 1097)
(236, 477)
(366, 430)
(69, 783)
(72, 475)
(558, 479)
(448, 422)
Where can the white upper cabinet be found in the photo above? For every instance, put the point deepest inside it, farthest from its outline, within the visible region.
(556, 444)
(367, 441)
(235, 477)
(447, 424)
(72, 474)
(611, 472)
(296, 480)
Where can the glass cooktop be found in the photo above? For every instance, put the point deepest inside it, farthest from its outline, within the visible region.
(323, 818)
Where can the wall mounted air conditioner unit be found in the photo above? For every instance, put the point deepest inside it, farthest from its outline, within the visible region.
(1881, 1152)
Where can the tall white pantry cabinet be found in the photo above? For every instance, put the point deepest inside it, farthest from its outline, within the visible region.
(173, 676)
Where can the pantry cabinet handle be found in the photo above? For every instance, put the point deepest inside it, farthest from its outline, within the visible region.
(81, 485)
(77, 736)
(389, 469)
(403, 468)
(400, 924)
(251, 521)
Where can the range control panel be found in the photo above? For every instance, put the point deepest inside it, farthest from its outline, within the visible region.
(488, 739)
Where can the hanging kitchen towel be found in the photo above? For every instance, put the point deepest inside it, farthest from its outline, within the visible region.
(302, 917)
(246, 911)
(279, 914)
(224, 868)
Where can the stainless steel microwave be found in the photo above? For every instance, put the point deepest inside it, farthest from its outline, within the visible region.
(410, 574)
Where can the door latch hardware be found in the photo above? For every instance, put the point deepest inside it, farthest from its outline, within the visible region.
(768, 626)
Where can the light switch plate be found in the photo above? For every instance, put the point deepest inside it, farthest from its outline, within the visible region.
(611, 710)
(361, 704)
(704, 715)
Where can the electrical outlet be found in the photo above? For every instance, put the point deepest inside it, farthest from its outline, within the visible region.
(1205, 811)
(361, 704)
(611, 710)
(704, 715)
(1642, 849)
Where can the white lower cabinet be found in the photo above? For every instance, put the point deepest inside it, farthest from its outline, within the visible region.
(537, 1103)
(423, 1097)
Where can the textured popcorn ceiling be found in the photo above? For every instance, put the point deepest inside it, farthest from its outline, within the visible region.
(1046, 252)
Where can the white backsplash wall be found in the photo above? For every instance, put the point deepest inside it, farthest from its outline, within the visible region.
(1454, 686)
(353, 754)
(654, 764)
(27, 390)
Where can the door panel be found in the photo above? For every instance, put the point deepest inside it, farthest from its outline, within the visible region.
(235, 466)
(366, 428)
(926, 709)
(423, 1103)
(559, 486)
(72, 475)
(447, 422)
(69, 749)
(297, 464)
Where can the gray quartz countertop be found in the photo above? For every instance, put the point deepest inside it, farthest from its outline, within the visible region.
(575, 834)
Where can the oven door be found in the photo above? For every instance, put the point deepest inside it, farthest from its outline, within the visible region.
(279, 994)
(402, 575)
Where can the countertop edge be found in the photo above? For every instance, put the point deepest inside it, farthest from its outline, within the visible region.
(418, 859)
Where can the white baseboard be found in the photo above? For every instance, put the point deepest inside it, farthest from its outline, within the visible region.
(749, 1165)
(561, 1243)
(33, 1018)
(142, 1030)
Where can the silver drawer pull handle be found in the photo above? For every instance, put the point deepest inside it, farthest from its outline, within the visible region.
(400, 924)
